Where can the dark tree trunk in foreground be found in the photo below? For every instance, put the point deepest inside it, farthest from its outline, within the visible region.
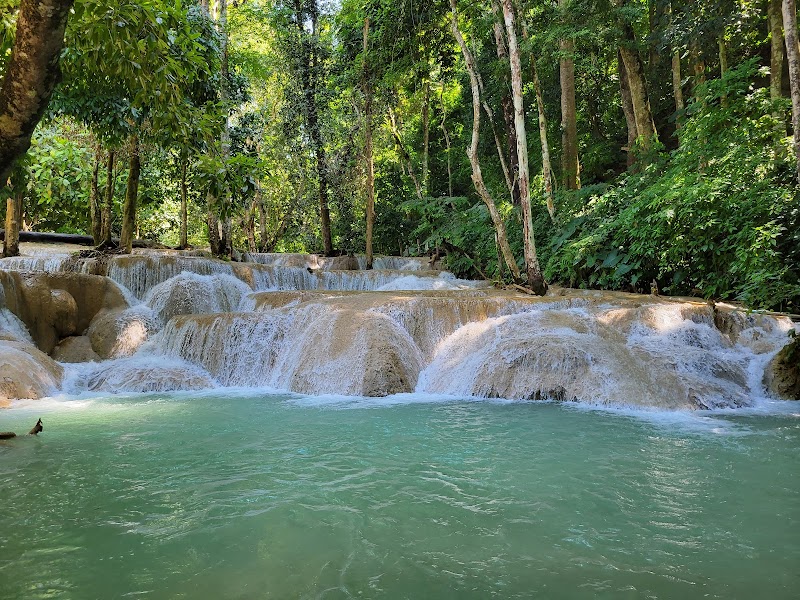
(309, 81)
(213, 226)
(793, 58)
(249, 226)
(31, 75)
(535, 279)
(131, 196)
(262, 220)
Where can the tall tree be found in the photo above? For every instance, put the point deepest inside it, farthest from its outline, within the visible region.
(637, 85)
(569, 119)
(776, 46)
(131, 196)
(16, 194)
(535, 279)
(369, 166)
(793, 58)
(472, 151)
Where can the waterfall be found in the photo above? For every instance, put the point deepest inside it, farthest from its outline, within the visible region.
(43, 263)
(299, 323)
(136, 375)
(140, 273)
(315, 349)
(189, 293)
(11, 327)
(653, 356)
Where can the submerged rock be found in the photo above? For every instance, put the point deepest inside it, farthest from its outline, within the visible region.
(782, 375)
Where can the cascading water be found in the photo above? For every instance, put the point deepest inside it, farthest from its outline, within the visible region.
(189, 294)
(293, 323)
(140, 273)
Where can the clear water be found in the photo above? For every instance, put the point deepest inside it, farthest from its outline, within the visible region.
(265, 496)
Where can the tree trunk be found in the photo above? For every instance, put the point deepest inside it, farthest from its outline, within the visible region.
(212, 223)
(309, 85)
(13, 223)
(627, 109)
(677, 81)
(183, 243)
(535, 279)
(698, 69)
(547, 169)
(677, 87)
(131, 196)
(723, 63)
(31, 74)
(262, 220)
(426, 127)
(472, 151)
(107, 217)
(569, 123)
(512, 171)
(225, 238)
(249, 226)
(443, 127)
(645, 127)
(225, 241)
(793, 58)
(95, 210)
(776, 49)
(369, 167)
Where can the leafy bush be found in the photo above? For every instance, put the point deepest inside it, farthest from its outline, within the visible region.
(717, 217)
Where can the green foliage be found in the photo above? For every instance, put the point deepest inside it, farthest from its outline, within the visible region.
(718, 217)
(231, 177)
(460, 227)
(54, 181)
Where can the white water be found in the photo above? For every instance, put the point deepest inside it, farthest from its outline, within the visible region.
(194, 325)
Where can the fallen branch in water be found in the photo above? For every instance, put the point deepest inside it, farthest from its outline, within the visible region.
(7, 435)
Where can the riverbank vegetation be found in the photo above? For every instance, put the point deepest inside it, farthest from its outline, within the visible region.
(618, 145)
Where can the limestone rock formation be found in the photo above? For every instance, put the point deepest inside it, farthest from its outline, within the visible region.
(57, 305)
(74, 349)
(782, 375)
(120, 332)
(153, 374)
(25, 372)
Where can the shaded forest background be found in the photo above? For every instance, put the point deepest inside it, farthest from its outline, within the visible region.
(659, 136)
